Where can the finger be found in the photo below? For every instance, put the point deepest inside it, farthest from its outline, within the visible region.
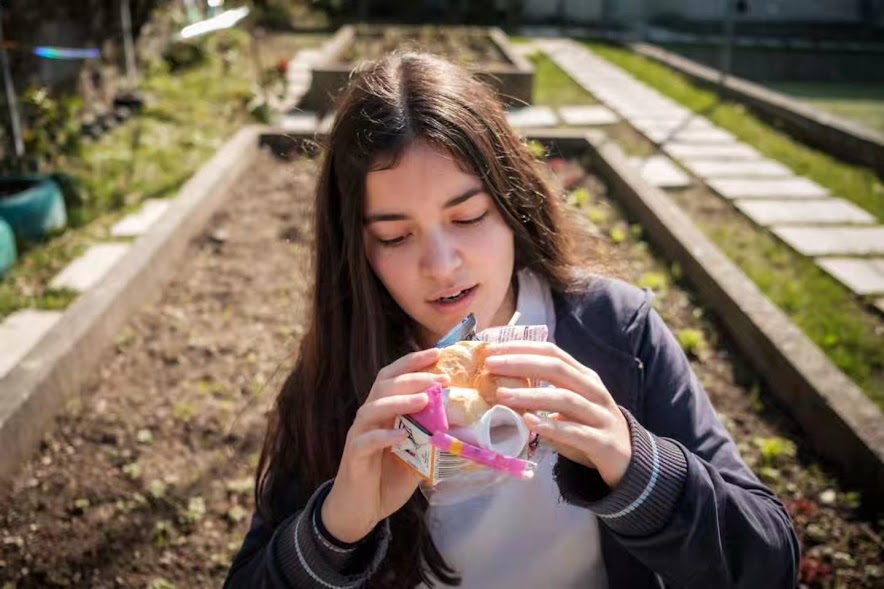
(585, 441)
(376, 440)
(551, 369)
(566, 450)
(410, 363)
(380, 413)
(405, 384)
(563, 401)
(537, 348)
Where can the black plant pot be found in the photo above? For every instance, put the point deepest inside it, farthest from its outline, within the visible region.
(131, 100)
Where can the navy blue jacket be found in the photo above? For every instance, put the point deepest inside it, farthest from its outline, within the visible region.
(688, 513)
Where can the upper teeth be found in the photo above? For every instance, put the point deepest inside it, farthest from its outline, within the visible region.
(454, 296)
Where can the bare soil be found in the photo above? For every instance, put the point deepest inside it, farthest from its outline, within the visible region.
(468, 47)
(146, 478)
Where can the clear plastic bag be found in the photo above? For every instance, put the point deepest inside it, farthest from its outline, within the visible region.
(457, 464)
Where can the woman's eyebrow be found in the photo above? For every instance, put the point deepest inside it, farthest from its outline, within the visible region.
(452, 202)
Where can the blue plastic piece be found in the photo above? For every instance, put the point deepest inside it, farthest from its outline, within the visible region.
(8, 253)
(32, 205)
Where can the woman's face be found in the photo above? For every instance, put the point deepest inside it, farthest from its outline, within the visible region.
(436, 240)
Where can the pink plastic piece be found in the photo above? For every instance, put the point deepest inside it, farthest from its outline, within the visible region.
(515, 467)
(433, 417)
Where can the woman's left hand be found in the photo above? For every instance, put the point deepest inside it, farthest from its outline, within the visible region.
(585, 424)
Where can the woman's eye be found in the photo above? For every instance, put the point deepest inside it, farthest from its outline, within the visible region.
(474, 220)
(392, 242)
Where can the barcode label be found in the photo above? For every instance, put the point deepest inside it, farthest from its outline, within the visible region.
(508, 333)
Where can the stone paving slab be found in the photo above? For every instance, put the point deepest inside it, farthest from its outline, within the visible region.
(687, 151)
(795, 211)
(301, 122)
(139, 222)
(311, 56)
(587, 115)
(532, 116)
(692, 136)
(833, 241)
(87, 270)
(20, 332)
(659, 171)
(864, 277)
(737, 169)
(795, 187)
(673, 124)
(325, 125)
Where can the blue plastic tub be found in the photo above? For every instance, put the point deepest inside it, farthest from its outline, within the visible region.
(8, 253)
(32, 205)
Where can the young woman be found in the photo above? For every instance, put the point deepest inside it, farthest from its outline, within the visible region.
(429, 207)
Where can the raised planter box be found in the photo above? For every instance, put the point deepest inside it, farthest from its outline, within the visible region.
(509, 73)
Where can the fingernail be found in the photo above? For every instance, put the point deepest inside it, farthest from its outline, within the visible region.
(444, 378)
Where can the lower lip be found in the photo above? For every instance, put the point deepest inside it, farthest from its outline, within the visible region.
(456, 306)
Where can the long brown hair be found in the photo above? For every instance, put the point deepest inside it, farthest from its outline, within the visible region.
(355, 326)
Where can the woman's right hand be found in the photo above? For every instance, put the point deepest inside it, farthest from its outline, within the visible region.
(371, 483)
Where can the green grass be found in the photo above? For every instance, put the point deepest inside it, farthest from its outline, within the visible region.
(188, 116)
(830, 315)
(855, 183)
(553, 87)
(860, 103)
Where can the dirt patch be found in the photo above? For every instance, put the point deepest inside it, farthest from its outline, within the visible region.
(146, 479)
(148, 475)
(471, 48)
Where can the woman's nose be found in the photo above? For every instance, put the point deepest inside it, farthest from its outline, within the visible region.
(441, 256)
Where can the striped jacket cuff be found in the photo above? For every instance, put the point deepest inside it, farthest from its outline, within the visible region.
(308, 559)
(644, 500)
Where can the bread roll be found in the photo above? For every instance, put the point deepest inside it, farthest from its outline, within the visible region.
(464, 407)
(464, 362)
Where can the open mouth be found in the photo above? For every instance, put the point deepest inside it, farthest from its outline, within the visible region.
(456, 297)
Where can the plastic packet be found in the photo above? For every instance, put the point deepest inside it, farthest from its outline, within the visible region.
(457, 464)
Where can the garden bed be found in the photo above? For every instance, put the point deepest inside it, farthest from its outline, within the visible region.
(150, 467)
(485, 51)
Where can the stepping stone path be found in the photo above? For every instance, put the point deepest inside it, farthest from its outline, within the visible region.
(325, 125)
(793, 187)
(865, 277)
(532, 117)
(802, 212)
(796, 209)
(138, 223)
(693, 136)
(300, 122)
(737, 169)
(20, 332)
(587, 116)
(687, 152)
(88, 270)
(659, 171)
(833, 241)
(299, 75)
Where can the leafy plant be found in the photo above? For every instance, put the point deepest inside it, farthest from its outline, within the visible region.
(692, 342)
(775, 450)
(50, 130)
(581, 196)
(655, 281)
